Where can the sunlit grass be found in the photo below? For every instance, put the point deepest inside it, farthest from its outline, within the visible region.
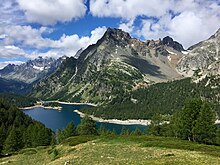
(118, 150)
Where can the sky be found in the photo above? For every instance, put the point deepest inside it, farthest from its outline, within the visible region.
(53, 28)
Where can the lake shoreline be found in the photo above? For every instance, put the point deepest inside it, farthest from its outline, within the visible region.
(70, 103)
(57, 107)
(41, 106)
(116, 121)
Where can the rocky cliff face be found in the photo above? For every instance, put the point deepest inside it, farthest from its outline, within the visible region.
(113, 66)
(32, 70)
(202, 59)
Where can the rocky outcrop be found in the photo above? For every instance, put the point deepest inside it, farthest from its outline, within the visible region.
(203, 57)
(168, 41)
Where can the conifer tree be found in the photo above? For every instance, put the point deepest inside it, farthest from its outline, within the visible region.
(69, 131)
(156, 125)
(87, 126)
(13, 142)
(205, 130)
(2, 136)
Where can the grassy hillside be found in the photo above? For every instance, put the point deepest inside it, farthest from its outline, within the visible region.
(118, 150)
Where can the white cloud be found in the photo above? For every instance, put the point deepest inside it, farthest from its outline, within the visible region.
(11, 51)
(10, 12)
(128, 9)
(127, 27)
(187, 21)
(69, 44)
(49, 12)
(27, 37)
(24, 35)
(5, 63)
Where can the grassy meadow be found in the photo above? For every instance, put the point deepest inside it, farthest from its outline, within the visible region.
(118, 150)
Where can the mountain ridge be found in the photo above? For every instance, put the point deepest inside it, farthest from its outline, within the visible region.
(32, 70)
(202, 58)
(116, 64)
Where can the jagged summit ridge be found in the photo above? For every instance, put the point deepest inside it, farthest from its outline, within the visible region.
(171, 43)
(117, 63)
(32, 70)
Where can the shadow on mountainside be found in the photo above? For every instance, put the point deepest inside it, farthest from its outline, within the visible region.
(144, 66)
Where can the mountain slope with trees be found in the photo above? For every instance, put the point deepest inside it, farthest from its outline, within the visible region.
(163, 98)
(114, 65)
(18, 130)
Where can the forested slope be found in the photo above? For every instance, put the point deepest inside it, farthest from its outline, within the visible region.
(163, 98)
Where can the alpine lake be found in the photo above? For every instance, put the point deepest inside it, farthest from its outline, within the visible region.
(55, 119)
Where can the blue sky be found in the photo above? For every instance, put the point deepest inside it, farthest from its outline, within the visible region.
(53, 28)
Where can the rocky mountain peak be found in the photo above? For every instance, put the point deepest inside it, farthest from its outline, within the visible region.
(116, 37)
(116, 34)
(171, 43)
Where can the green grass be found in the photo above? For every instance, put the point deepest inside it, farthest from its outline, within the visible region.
(118, 150)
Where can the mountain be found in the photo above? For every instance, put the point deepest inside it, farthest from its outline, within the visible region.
(202, 59)
(13, 86)
(113, 66)
(32, 70)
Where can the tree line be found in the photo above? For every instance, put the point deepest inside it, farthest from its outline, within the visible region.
(163, 98)
(194, 122)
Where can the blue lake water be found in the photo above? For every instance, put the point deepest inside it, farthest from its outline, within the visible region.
(55, 119)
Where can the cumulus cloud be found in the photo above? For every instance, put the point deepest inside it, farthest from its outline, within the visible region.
(128, 9)
(26, 37)
(127, 26)
(10, 12)
(48, 12)
(69, 44)
(187, 21)
(11, 51)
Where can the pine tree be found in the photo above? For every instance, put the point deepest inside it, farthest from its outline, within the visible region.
(87, 126)
(13, 142)
(187, 118)
(69, 130)
(156, 125)
(2, 136)
(60, 136)
(205, 130)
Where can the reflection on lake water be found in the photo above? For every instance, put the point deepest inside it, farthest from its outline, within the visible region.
(55, 119)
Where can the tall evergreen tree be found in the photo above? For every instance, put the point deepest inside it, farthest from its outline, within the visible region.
(14, 141)
(2, 136)
(69, 131)
(205, 129)
(155, 126)
(195, 122)
(87, 126)
(60, 136)
(188, 118)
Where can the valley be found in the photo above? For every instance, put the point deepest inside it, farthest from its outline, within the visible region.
(108, 82)
(126, 89)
